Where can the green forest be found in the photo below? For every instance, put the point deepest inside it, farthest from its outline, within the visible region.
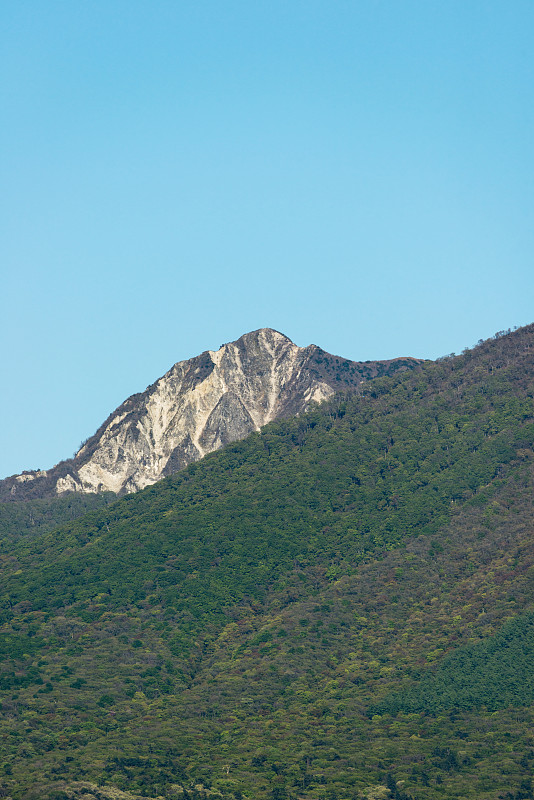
(339, 607)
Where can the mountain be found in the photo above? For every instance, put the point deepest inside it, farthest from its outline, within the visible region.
(198, 406)
(338, 606)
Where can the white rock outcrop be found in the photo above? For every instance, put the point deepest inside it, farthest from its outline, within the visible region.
(195, 408)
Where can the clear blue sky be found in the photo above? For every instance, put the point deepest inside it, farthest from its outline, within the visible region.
(355, 174)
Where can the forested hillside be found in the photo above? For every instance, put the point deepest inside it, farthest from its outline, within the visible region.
(340, 606)
(34, 517)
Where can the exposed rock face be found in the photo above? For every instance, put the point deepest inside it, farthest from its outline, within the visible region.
(197, 407)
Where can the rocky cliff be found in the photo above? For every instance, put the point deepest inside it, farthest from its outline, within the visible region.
(198, 406)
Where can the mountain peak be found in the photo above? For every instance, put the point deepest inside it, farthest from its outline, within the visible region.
(265, 334)
(198, 406)
(266, 338)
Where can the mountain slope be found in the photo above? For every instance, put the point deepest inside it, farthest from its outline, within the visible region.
(197, 407)
(258, 625)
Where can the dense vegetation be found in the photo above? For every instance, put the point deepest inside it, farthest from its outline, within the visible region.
(35, 517)
(337, 607)
(494, 673)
